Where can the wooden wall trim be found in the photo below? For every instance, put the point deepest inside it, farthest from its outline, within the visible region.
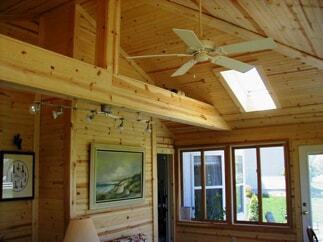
(39, 70)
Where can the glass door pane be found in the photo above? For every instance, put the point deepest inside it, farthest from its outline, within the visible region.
(311, 174)
(315, 168)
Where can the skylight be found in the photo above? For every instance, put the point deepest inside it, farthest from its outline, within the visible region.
(249, 89)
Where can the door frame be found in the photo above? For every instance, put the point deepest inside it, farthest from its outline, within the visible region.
(170, 196)
(303, 152)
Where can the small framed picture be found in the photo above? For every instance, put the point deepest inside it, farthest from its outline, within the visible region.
(17, 169)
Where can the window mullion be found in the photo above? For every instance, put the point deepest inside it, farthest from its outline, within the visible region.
(260, 219)
(203, 186)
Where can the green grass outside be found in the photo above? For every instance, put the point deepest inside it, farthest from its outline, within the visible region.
(276, 205)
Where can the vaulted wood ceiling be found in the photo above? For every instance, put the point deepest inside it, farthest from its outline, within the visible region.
(294, 69)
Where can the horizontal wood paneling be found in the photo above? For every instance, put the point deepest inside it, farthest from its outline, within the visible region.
(16, 216)
(296, 135)
(113, 222)
(53, 155)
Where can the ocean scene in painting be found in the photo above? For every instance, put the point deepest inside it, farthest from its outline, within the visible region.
(118, 175)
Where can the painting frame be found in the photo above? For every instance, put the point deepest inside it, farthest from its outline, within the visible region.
(17, 169)
(117, 176)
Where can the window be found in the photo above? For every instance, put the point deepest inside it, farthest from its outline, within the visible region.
(258, 184)
(250, 89)
(203, 184)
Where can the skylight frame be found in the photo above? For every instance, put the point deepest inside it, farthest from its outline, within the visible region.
(241, 98)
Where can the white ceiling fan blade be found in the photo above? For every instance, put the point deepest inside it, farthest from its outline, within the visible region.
(248, 46)
(184, 68)
(231, 63)
(189, 37)
(156, 56)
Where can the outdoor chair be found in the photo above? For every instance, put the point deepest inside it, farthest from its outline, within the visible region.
(311, 235)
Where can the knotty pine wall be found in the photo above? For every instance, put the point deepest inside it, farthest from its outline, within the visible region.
(114, 222)
(16, 217)
(54, 156)
(301, 134)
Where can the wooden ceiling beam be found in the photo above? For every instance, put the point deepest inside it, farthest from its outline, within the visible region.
(234, 30)
(32, 68)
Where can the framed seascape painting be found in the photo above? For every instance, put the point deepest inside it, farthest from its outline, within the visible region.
(116, 176)
(17, 169)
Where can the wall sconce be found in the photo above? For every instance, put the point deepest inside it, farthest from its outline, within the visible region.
(121, 126)
(81, 230)
(148, 128)
(34, 108)
(57, 113)
(106, 110)
(90, 117)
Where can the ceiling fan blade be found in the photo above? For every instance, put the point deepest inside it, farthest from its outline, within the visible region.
(248, 46)
(189, 37)
(156, 56)
(184, 68)
(231, 63)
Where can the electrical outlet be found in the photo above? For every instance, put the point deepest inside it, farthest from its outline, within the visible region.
(233, 239)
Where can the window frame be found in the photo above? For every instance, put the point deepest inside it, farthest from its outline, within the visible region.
(203, 183)
(258, 146)
(229, 186)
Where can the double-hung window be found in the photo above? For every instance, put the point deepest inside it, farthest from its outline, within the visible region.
(256, 176)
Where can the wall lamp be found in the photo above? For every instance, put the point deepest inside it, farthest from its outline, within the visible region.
(57, 113)
(148, 128)
(121, 125)
(105, 110)
(91, 116)
(34, 108)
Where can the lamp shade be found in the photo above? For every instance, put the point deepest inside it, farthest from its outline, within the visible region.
(81, 230)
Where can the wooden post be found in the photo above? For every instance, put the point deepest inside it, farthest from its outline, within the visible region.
(108, 34)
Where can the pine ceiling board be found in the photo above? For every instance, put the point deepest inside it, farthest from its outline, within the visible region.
(307, 109)
(193, 4)
(90, 7)
(150, 33)
(310, 17)
(292, 29)
(130, 6)
(29, 6)
(17, 32)
(231, 11)
(278, 23)
(7, 5)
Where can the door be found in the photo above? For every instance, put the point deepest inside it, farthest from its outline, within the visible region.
(164, 198)
(311, 171)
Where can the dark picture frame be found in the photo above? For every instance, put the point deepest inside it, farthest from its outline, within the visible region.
(116, 176)
(17, 169)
